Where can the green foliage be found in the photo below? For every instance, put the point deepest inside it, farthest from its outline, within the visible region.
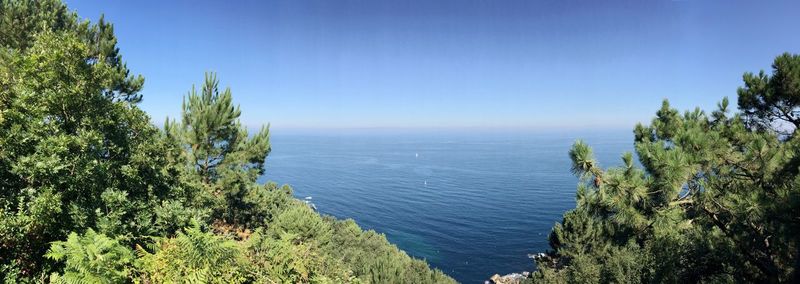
(374, 260)
(769, 101)
(716, 200)
(367, 256)
(192, 257)
(288, 260)
(302, 222)
(219, 149)
(78, 155)
(73, 158)
(264, 203)
(22, 21)
(91, 258)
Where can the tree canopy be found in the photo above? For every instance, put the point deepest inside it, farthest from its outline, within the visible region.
(716, 199)
(772, 101)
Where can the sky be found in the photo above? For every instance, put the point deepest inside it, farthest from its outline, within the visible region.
(448, 64)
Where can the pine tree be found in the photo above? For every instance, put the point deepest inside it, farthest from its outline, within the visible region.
(21, 21)
(717, 198)
(773, 101)
(219, 148)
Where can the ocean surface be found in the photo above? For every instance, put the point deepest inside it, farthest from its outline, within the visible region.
(472, 203)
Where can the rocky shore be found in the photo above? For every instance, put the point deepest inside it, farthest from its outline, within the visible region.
(513, 278)
(519, 278)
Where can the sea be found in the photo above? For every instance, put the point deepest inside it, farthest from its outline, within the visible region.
(471, 202)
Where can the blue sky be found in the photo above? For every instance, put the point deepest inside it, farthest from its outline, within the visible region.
(451, 64)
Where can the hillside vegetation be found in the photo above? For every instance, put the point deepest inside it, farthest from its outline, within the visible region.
(92, 192)
(716, 199)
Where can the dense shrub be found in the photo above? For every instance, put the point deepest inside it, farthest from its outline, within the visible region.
(91, 258)
(193, 256)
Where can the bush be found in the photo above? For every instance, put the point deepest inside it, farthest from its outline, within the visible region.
(194, 256)
(91, 258)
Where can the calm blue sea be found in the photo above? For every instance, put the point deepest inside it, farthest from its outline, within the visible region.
(472, 203)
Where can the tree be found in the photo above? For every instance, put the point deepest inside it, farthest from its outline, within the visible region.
(84, 173)
(219, 148)
(73, 158)
(716, 199)
(772, 101)
(21, 21)
(76, 151)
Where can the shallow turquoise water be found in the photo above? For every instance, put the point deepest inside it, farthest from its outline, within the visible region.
(471, 203)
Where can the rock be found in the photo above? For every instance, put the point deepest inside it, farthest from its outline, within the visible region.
(537, 256)
(513, 278)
